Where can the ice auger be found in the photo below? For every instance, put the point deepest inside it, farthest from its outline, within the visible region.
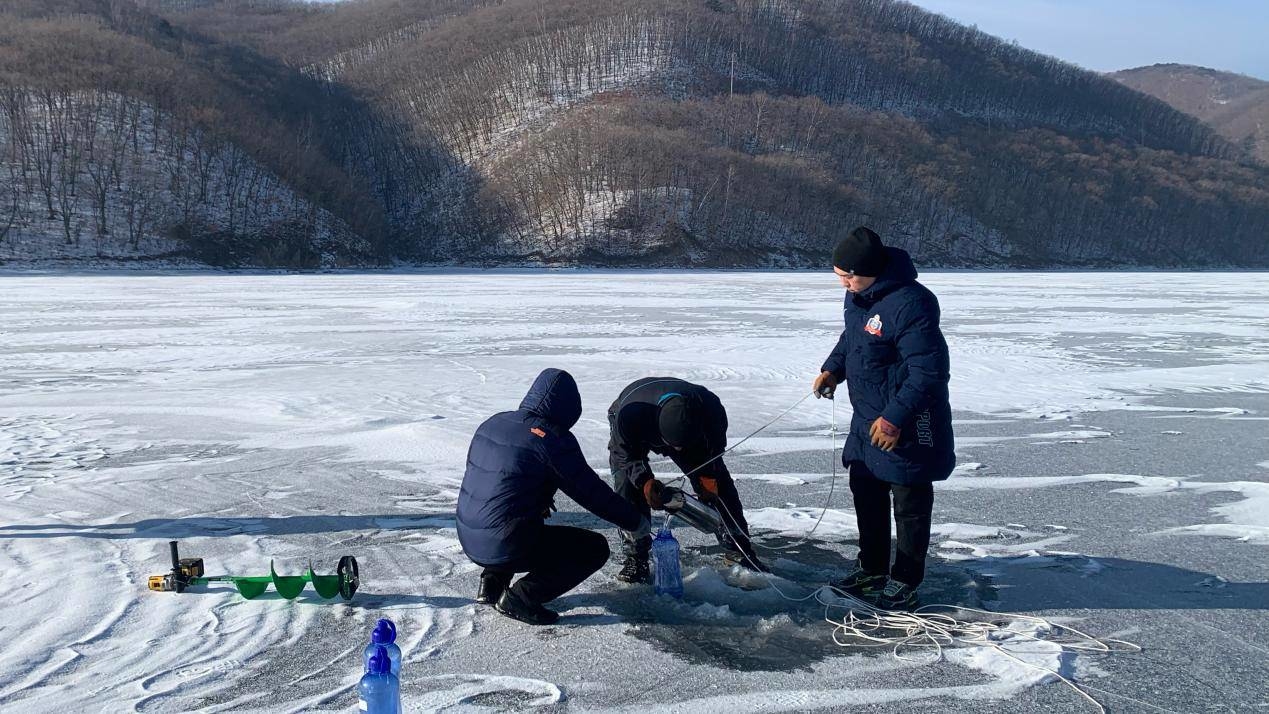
(187, 572)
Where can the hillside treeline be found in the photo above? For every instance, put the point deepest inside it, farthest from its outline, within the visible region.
(625, 132)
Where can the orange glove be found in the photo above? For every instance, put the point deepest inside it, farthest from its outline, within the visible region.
(709, 488)
(652, 493)
(884, 435)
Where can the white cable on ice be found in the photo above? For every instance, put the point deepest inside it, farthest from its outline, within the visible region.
(832, 485)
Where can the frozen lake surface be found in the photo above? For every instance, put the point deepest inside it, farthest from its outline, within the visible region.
(1114, 475)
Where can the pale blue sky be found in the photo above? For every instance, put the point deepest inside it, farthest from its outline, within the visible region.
(1106, 35)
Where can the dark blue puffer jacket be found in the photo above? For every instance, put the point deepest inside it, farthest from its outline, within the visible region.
(894, 361)
(516, 462)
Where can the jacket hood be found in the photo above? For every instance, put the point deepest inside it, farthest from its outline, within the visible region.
(898, 272)
(554, 397)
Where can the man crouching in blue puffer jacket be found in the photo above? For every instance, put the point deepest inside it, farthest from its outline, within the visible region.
(516, 463)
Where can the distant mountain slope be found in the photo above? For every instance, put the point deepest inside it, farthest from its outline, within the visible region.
(640, 132)
(1236, 105)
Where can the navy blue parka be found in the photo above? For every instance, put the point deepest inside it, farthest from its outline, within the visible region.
(516, 463)
(894, 361)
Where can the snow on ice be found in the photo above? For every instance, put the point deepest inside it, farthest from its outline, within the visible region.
(296, 418)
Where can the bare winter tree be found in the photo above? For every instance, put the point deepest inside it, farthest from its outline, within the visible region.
(10, 183)
(68, 129)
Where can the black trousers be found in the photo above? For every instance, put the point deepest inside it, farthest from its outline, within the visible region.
(562, 558)
(913, 507)
(728, 507)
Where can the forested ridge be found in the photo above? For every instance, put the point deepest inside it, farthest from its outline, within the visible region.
(589, 132)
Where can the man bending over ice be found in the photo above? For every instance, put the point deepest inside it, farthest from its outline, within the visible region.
(687, 423)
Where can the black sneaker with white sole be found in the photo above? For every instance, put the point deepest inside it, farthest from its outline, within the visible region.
(860, 583)
(897, 596)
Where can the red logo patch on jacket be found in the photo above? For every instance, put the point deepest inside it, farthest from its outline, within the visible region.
(538, 432)
(874, 326)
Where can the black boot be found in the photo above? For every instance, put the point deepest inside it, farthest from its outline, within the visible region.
(517, 608)
(492, 583)
(635, 570)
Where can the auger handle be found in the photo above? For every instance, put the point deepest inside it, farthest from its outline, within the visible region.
(178, 581)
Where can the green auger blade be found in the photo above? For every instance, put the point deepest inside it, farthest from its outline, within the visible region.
(326, 585)
(289, 586)
(251, 586)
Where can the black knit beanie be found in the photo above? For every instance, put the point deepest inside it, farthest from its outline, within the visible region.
(861, 253)
(678, 422)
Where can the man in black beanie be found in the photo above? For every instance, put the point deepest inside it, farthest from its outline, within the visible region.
(894, 360)
(686, 422)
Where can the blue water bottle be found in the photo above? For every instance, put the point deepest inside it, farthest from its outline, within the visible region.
(384, 635)
(379, 690)
(666, 578)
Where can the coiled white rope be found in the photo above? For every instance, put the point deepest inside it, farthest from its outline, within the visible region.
(933, 627)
